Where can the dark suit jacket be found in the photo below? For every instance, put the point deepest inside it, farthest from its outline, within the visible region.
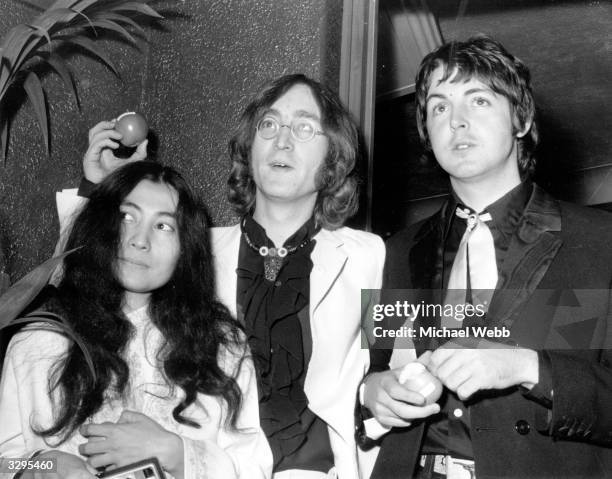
(562, 253)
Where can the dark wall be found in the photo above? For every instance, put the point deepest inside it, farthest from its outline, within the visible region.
(191, 80)
(568, 48)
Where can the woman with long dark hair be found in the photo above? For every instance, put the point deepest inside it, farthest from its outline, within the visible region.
(172, 378)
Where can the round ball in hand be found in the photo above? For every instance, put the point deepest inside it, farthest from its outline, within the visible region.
(416, 377)
(133, 128)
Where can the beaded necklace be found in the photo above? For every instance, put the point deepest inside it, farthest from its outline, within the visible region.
(273, 257)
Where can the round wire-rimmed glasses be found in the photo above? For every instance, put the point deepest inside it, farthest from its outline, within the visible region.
(302, 129)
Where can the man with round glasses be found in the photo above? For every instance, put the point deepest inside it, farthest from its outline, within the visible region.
(291, 272)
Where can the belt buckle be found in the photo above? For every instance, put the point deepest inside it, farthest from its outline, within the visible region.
(439, 466)
(459, 468)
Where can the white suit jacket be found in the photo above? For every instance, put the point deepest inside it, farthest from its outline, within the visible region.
(344, 262)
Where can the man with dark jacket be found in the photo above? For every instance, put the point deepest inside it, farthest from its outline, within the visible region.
(537, 403)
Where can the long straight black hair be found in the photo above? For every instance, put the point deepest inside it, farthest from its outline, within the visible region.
(196, 328)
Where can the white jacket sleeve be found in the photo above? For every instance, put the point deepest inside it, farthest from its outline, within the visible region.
(69, 204)
(24, 397)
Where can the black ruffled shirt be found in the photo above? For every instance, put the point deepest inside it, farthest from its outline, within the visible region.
(276, 317)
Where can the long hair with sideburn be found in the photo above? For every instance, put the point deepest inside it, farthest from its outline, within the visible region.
(197, 330)
(336, 180)
(484, 59)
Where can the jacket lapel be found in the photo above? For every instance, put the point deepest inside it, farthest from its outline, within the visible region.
(427, 268)
(531, 251)
(426, 255)
(328, 260)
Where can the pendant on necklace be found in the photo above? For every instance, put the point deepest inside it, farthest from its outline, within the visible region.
(272, 265)
(273, 261)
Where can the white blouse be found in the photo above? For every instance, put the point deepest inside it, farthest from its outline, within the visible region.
(211, 451)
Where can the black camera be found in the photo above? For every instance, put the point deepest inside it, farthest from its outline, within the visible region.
(149, 468)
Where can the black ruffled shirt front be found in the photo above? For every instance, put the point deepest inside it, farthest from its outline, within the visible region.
(275, 314)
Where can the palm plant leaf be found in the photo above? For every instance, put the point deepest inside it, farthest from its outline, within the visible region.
(90, 46)
(15, 42)
(30, 41)
(35, 92)
(138, 7)
(57, 63)
(81, 5)
(38, 5)
(54, 20)
(114, 26)
(117, 17)
(4, 126)
(17, 298)
(42, 31)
